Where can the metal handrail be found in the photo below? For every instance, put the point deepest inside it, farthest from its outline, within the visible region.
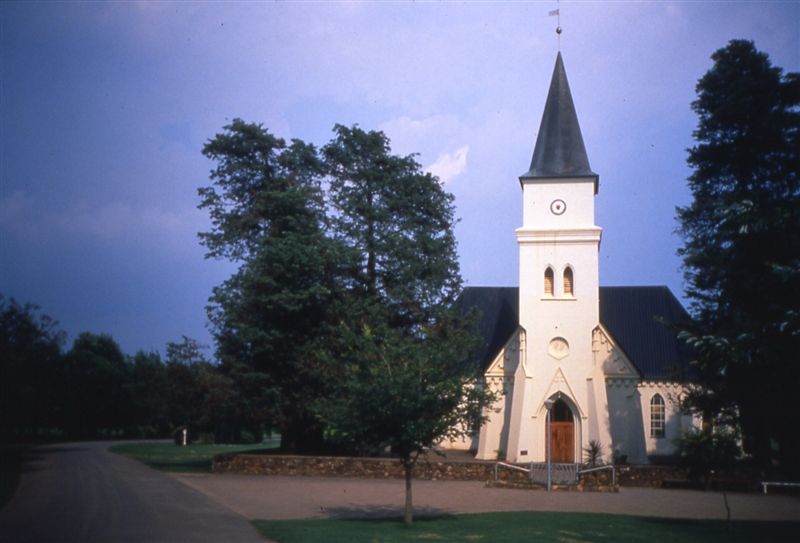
(613, 473)
(530, 470)
(509, 466)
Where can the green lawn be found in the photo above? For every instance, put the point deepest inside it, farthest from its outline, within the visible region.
(528, 526)
(192, 458)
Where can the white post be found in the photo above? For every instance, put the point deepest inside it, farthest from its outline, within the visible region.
(184, 433)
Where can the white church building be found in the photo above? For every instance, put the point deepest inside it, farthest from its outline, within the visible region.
(600, 357)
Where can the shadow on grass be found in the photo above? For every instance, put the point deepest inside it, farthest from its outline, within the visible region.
(720, 530)
(521, 526)
(188, 466)
(383, 513)
(367, 529)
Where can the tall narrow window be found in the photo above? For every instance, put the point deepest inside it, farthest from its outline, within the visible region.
(657, 412)
(568, 286)
(548, 282)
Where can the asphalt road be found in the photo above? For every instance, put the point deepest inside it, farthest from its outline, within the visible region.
(80, 492)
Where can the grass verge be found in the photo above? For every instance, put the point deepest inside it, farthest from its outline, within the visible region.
(523, 526)
(192, 458)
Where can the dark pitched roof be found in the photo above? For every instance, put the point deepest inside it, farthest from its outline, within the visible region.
(559, 150)
(498, 318)
(634, 316)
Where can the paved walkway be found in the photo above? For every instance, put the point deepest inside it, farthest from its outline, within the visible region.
(262, 497)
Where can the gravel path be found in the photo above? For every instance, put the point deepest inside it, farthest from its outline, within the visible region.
(260, 497)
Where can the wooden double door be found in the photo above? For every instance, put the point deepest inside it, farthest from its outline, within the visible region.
(562, 433)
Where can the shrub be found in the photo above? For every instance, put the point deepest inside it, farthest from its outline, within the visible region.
(593, 453)
(707, 452)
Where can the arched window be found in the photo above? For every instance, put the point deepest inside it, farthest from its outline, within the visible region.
(548, 281)
(568, 283)
(657, 414)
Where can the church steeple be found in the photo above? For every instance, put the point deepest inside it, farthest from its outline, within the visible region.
(558, 285)
(559, 150)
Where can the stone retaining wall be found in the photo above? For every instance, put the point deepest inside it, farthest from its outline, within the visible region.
(368, 468)
(428, 469)
(740, 480)
(649, 476)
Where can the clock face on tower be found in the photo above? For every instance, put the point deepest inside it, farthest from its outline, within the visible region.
(557, 207)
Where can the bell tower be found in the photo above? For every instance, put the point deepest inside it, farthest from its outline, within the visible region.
(558, 281)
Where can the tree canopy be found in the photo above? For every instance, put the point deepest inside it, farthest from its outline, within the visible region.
(95, 390)
(30, 351)
(404, 384)
(395, 220)
(345, 297)
(267, 212)
(741, 252)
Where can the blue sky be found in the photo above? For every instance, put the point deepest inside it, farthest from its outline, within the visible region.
(104, 108)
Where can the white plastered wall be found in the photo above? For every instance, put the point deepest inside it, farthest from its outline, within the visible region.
(676, 420)
(625, 414)
(629, 405)
(559, 326)
(620, 379)
(499, 377)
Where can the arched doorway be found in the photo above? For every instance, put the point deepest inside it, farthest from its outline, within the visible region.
(562, 433)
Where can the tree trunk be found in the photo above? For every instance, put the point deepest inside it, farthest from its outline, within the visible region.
(408, 516)
(372, 274)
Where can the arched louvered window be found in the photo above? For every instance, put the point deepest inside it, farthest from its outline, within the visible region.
(548, 281)
(568, 282)
(657, 416)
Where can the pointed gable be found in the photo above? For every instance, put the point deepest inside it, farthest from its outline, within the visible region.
(559, 150)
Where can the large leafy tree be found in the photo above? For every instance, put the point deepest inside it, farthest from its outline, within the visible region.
(148, 391)
(396, 223)
(741, 249)
(402, 391)
(183, 397)
(345, 305)
(96, 381)
(30, 359)
(203, 399)
(267, 213)
(404, 384)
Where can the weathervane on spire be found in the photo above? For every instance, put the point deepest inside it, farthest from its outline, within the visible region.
(557, 13)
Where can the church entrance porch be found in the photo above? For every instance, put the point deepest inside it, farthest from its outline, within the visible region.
(562, 433)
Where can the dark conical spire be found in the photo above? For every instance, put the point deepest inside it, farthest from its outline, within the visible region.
(559, 150)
